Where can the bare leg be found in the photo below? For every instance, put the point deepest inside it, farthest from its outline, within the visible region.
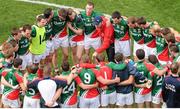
(80, 49)
(148, 104)
(140, 105)
(54, 59)
(65, 53)
(87, 51)
(74, 52)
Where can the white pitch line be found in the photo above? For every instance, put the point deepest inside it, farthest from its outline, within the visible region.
(53, 4)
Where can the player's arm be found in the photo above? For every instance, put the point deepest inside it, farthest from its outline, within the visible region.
(25, 79)
(70, 77)
(129, 81)
(80, 26)
(114, 66)
(33, 32)
(85, 86)
(54, 99)
(140, 85)
(5, 83)
(154, 69)
(20, 81)
(107, 81)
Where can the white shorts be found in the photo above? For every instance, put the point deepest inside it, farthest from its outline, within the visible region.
(123, 47)
(68, 106)
(27, 60)
(156, 100)
(10, 103)
(49, 47)
(124, 99)
(31, 103)
(107, 99)
(1, 88)
(149, 51)
(37, 58)
(142, 98)
(92, 42)
(137, 46)
(89, 102)
(73, 43)
(60, 42)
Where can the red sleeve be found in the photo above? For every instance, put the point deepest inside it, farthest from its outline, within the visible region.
(87, 65)
(19, 78)
(149, 66)
(4, 73)
(96, 72)
(40, 73)
(108, 33)
(78, 80)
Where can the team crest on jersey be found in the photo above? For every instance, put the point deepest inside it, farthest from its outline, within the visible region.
(122, 28)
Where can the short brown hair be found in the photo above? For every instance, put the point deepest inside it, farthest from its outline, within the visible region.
(40, 17)
(153, 59)
(141, 21)
(15, 31)
(6, 46)
(119, 57)
(65, 66)
(26, 27)
(90, 3)
(140, 53)
(13, 43)
(100, 57)
(174, 68)
(165, 31)
(9, 53)
(132, 20)
(170, 38)
(62, 12)
(32, 68)
(17, 62)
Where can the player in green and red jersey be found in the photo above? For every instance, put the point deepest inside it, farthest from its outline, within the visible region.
(32, 96)
(89, 98)
(75, 35)
(136, 34)
(175, 54)
(121, 34)
(69, 96)
(161, 45)
(143, 88)
(24, 43)
(149, 39)
(14, 77)
(15, 35)
(48, 13)
(6, 63)
(105, 78)
(5, 47)
(91, 38)
(157, 83)
(60, 38)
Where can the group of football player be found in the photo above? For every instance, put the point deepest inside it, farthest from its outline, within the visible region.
(142, 65)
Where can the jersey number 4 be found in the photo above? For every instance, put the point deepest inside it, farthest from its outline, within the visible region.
(41, 39)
